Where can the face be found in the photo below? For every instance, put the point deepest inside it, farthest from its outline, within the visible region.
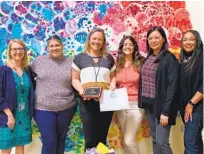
(96, 41)
(128, 47)
(155, 41)
(189, 42)
(17, 51)
(55, 48)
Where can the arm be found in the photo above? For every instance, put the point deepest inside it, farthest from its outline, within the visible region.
(113, 80)
(172, 83)
(3, 103)
(197, 97)
(76, 81)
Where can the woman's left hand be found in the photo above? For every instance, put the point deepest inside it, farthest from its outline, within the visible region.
(188, 112)
(164, 120)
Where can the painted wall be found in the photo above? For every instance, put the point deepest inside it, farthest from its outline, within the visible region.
(34, 22)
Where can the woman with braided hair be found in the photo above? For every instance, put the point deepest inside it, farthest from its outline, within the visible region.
(191, 90)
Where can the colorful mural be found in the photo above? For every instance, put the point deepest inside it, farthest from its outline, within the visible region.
(34, 22)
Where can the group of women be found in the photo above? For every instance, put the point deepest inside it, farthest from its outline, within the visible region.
(157, 86)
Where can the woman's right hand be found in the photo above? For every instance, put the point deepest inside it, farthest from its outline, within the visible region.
(81, 92)
(11, 121)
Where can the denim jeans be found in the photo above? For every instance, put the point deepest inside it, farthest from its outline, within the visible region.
(192, 135)
(159, 134)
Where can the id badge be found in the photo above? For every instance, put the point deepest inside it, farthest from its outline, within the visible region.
(21, 106)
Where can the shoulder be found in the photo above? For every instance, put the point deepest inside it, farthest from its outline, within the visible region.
(4, 68)
(39, 58)
(109, 56)
(200, 58)
(170, 56)
(79, 56)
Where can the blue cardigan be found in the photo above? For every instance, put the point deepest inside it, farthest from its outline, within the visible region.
(8, 94)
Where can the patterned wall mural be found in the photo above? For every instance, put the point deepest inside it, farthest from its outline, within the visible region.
(34, 22)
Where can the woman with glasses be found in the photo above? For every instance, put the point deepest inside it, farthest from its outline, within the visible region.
(158, 93)
(16, 99)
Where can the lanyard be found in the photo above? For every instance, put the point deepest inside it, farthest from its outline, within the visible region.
(96, 73)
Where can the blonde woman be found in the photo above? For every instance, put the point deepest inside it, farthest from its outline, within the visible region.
(94, 67)
(16, 100)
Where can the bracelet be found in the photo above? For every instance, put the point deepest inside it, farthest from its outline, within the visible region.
(191, 103)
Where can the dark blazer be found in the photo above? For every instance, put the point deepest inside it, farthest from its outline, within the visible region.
(190, 84)
(8, 94)
(166, 100)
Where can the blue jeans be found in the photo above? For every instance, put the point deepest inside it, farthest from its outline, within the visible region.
(53, 128)
(159, 134)
(192, 135)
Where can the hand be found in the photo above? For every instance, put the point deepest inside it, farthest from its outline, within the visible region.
(11, 121)
(112, 86)
(81, 91)
(188, 112)
(164, 120)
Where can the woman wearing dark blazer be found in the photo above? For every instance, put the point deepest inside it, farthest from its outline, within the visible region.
(191, 90)
(158, 89)
(16, 99)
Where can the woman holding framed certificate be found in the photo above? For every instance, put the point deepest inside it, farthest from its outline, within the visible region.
(92, 71)
(127, 75)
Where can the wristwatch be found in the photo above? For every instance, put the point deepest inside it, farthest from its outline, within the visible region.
(191, 103)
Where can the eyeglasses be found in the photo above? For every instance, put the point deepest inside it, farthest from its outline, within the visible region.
(18, 49)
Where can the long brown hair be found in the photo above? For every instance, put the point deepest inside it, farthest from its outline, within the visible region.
(104, 49)
(137, 59)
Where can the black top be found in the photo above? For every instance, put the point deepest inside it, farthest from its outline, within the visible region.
(167, 81)
(190, 83)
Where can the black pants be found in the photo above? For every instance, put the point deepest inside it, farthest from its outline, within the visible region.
(95, 123)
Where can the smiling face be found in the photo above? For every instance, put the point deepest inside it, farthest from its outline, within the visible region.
(55, 48)
(189, 42)
(155, 41)
(128, 47)
(96, 41)
(17, 51)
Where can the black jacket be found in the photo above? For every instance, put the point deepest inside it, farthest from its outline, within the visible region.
(166, 100)
(190, 84)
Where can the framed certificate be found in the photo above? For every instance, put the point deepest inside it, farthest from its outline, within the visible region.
(92, 92)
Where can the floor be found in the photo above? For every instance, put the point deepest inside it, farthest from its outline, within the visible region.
(176, 139)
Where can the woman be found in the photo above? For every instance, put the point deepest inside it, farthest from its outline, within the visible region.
(158, 89)
(127, 75)
(191, 90)
(16, 100)
(55, 104)
(94, 67)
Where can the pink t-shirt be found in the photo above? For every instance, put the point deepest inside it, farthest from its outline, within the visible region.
(129, 78)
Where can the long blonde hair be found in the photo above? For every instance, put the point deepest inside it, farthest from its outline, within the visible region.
(24, 63)
(104, 49)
